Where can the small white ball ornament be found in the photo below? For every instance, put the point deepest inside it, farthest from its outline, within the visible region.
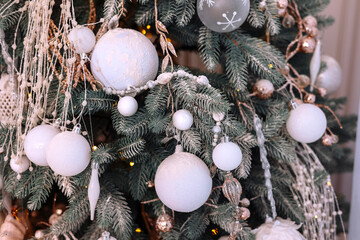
(223, 15)
(279, 229)
(20, 165)
(124, 58)
(127, 106)
(36, 143)
(227, 156)
(183, 181)
(306, 123)
(183, 120)
(83, 39)
(331, 77)
(68, 153)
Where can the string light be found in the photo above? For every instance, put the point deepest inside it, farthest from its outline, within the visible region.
(138, 230)
(131, 164)
(94, 148)
(148, 27)
(143, 31)
(215, 231)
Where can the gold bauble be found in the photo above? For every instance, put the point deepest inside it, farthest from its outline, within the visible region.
(245, 213)
(312, 31)
(307, 44)
(282, 4)
(303, 81)
(164, 223)
(310, 98)
(264, 89)
(310, 21)
(322, 91)
(288, 21)
(327, 140)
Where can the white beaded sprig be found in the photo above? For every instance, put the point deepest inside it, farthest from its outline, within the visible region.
(218, 117)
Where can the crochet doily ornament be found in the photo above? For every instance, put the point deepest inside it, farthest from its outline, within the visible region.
(7, 100)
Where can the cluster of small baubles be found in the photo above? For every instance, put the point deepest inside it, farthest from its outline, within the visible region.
(308, 42)
(263, 89)
(282, 7)
(223, 15)
(67, 153)
(330, 139)
(164, 223)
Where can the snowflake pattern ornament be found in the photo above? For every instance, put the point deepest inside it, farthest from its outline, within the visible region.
(279, 229)
(223, 15)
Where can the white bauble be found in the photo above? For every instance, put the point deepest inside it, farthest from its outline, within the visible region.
(183, 120)
(306, 123)
(39, 234)
(36, 142)
(21, 165)
(223, 15)
(68, 154)
(183, 182)
(330, 79)
(83, 39)
(224, 238)
(127, 106)
(124, 58)
(227, 156)
(279, 229)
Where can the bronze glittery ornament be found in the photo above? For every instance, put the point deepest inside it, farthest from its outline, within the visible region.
(245, 213)
(164, 223)
(322, 91)
(264, 89)
(310, 98)
(303, 81)
(327, 140)
(282, 4)
(310, 21)
(307, 44)
(288, 21)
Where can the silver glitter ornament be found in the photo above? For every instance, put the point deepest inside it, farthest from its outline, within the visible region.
(223, 15)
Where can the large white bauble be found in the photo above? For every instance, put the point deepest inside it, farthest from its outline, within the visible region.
(227, 156)
(183, 119)
(83, 39)
(330, 79)
(306, 123)
(279, 229)
(127, 106)
(68, 154)
(36, 142)
(224, 238)
(124, 58)
(223, 15)
(183, 182)
(20, 166)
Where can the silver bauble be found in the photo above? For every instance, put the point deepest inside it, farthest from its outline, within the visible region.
(223, 15)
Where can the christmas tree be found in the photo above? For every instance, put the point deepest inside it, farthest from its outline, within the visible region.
(96, 108)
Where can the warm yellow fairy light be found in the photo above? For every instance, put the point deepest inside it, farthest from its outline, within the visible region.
(59, 211)
(148, 27)
(316, 217)
(29, 94)
(94, 148)
(271, 66)
(214, 231)
(169, 40)
(138, 230)
(143, 31)
(132, 164)
(329, 184)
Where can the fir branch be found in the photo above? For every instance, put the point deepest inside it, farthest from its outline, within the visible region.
(196, 224)
(39, 192)
(209, 47)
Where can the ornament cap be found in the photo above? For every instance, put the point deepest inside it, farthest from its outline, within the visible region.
(77, 128)
(179, 149)
(95, 165)
(293, 104)
(57, 122)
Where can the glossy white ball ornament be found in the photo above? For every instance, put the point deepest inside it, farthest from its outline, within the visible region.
(223, 15)
(83, 39)
(20, 165)
(227, 156)
(68, 153)
(127, 106)
(183, 120)
(306, 123)
(224, 238)
(279, 229)
(36, 142)
(183, 181)
(124, 58)
(331, 77)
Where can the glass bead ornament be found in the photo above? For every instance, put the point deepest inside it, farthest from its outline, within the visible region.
(227, 156)
(306, 123)
(37, 141)
(279, 229)
(19, 164)
(127, 106)
(183, 182)
(164, 223)
(124, 58)
(223, 15)
(263, 89)
(68, 153)
(82, 39)
(183, 120)
(330, 78)
(93, 189)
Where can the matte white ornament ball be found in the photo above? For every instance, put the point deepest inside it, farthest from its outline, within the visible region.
(223, 15)
(331, 77)
(20, 165)
(227, 156)
(224, 238)
(106, 236)
(183, 120)
(124, 58)
(279, 229)
(306, 123)
(68, 153)
(183, 181)
(36, 142)
(83, 39)
(127, 106)
(39, 234)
